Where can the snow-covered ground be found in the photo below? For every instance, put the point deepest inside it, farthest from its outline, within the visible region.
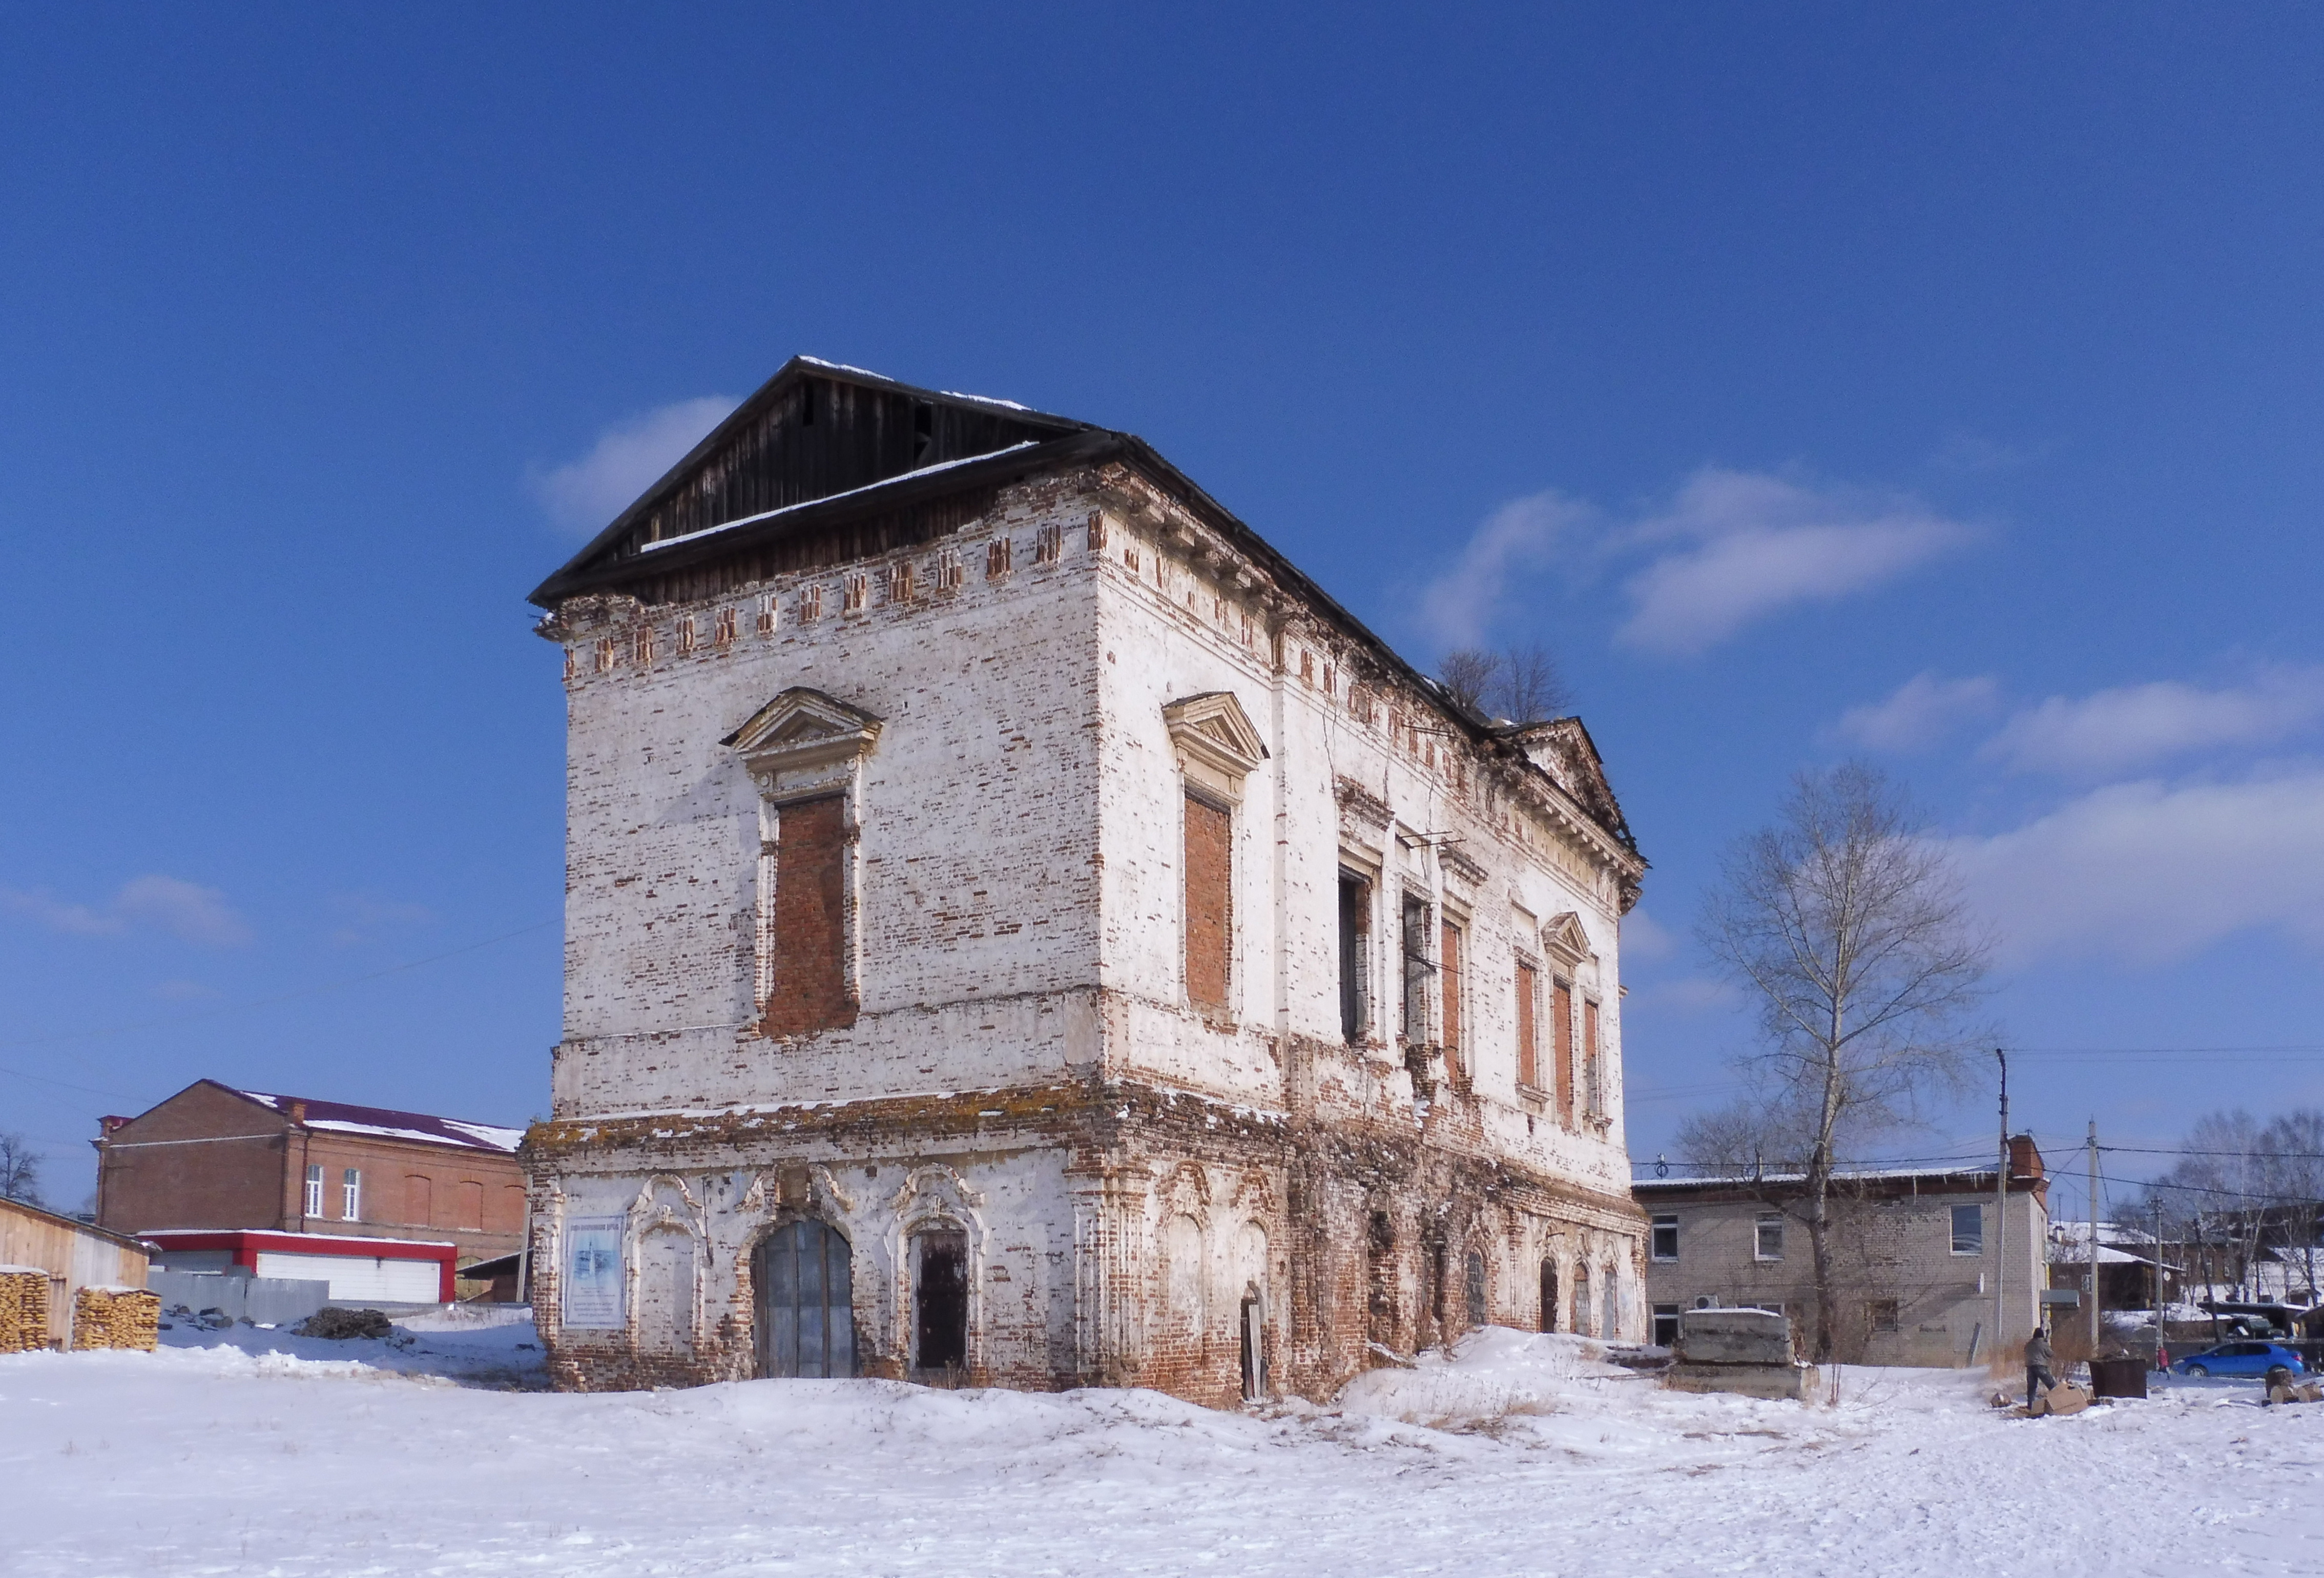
(252, 1452)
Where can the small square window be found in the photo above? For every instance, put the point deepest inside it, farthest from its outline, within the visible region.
(1969, 1230)
(1767, 1239)
(1882, 1315)
(1666, 1237)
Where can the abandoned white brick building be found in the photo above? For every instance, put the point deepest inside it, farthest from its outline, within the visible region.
(1020, 930)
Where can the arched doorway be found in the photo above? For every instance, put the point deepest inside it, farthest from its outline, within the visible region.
(806, 1302)
(1549, 1295)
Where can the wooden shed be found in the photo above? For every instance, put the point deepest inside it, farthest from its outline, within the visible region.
(72, 1256)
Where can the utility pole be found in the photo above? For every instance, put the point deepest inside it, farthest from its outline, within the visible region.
(2094, 1238)
(2154, 1274)
(2001, 1214)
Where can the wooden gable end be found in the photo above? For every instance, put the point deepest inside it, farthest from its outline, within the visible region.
(813, 432)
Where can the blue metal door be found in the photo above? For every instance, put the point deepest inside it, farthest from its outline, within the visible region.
(807, 1303)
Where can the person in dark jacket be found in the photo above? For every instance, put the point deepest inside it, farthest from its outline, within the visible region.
(2038, 1360)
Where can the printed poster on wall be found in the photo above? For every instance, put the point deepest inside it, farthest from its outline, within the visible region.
(593, 1272)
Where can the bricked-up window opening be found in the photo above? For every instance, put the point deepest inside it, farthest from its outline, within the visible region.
(1418, 969)
(810, 605)
(472, 1205)
(854, 592)
(1969, 1230)
(1593, 1088)
(722, 632)
(949, 573)
(1561, 1028)
(1355, 956)
(1549, 1295)
(807, 924)
(1581, 1302)
(644, 641)
(940, 1301)
(996, 558)
(805, 1284)
(350, 1193)
(420, 1201)
(1477, 1310)
(1528, 1044)
(1767, 1236)
(1883, 1315)
(314, 1191)
(1379, 1282)
(899, 582)
(1664, 1239)
(1209, 901)
(1253, 1327)
(1613, 1325)
(1048, 545)
(1448, 965)
(685, 640)
(1665, 1325)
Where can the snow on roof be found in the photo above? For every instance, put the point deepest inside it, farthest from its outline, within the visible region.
(1840, 1174)
(843, 494)
(385, 1124)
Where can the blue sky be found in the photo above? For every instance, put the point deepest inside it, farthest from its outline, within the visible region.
(1940, 384)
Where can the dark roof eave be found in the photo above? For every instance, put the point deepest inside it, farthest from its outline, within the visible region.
(1090, 446)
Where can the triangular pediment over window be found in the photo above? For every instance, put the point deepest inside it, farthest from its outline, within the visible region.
(1563, 939)
(1563, 749)
(803, 728)
(1218, 746)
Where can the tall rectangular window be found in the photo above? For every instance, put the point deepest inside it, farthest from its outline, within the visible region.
(1666, 1237)
(1969, 1230)
(1561, 1025)
(1416, 971)
(1449, 976)
(1767, 1236)
(1209, 901)
(1529, 1052)
(1593, 1089)
(314, 1191)
(1355, 956)
(806, 942)
(350, 1193)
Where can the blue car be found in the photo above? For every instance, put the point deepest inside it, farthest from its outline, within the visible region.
(2240, 1358)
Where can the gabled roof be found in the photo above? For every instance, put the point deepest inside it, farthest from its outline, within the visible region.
(387, 1123)
(885, 447)
(817, 431)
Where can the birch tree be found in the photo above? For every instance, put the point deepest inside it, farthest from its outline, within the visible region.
(1846, 928)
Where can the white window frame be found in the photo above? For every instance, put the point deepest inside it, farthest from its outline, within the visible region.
(1955, 1224)
(315, 1189)
(1666, 1219)
(350, 1193)
(1759, 1226)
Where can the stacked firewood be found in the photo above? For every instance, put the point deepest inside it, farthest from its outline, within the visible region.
(23, 1309)
(116, 1317)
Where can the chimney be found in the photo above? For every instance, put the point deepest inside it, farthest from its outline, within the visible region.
(109, 1123)
(2024, 1161)
(299, 1113)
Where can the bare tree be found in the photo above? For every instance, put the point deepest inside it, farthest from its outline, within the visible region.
(1519, 683)
(2294, 1149)
(19, 1169)
(1467, 673)
(1746, 1138)
(1849, 926)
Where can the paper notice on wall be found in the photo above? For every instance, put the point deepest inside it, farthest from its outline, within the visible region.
(592, 1292)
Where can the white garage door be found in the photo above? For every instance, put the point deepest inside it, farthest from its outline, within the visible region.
(358, 1277)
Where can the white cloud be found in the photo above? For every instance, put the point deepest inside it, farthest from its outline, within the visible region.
(1917, 714)
(1645, 937)
(2148, 873)
(583, 496)
(2131, 726)
(1459, 607)
(1731, 547)
(1758, 544)
(183, 909)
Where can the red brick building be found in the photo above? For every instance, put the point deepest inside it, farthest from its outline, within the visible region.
(294, 1179)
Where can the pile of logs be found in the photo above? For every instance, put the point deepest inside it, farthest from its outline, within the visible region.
(116, 1317)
